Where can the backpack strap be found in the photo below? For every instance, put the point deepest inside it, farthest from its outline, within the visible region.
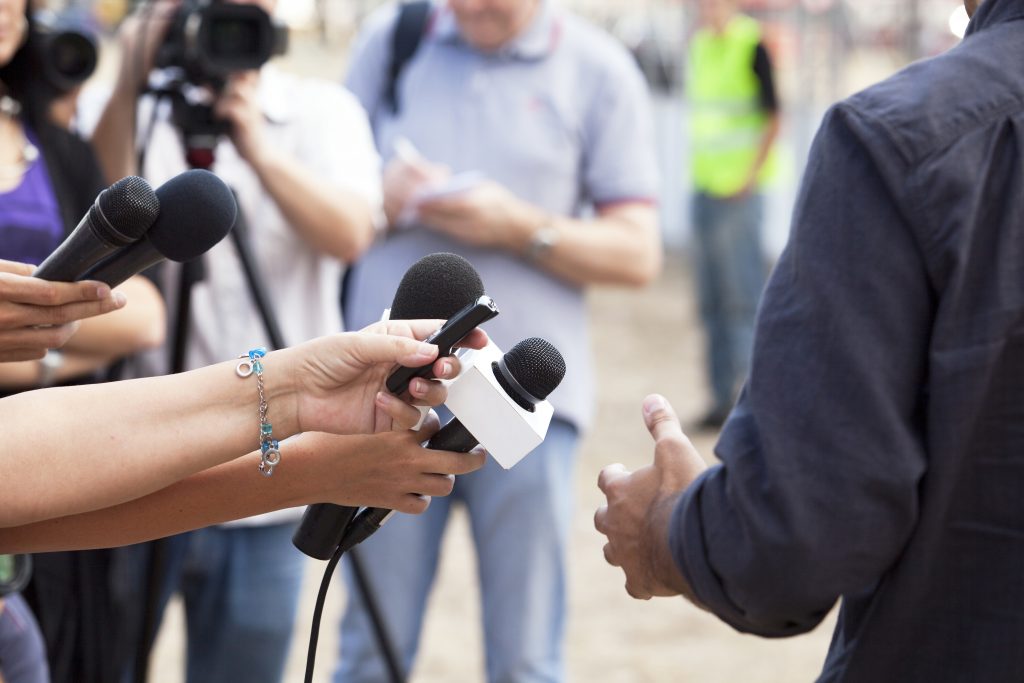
(409, 29)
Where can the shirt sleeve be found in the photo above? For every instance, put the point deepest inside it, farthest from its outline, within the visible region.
(337, 143)
(620, 162)
(817, 491)
(766, 77)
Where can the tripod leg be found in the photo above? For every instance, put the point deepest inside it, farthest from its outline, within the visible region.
(387, 647)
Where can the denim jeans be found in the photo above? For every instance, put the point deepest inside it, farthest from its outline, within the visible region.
(241, 588)
(731, 274)
(22, 654)
(520, 523)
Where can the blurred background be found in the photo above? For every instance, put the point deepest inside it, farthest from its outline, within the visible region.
(645, 341)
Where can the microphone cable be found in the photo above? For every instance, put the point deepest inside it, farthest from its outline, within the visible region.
(321, 597)
(390, 657)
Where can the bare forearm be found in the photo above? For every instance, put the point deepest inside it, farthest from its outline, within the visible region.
(138, 326)
(83, 448)
(335, 221)
(112, 138)
(230, 491)
(621, 247)
(27, 374)
(771, 133)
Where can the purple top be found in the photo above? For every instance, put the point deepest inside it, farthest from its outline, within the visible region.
(30, 221)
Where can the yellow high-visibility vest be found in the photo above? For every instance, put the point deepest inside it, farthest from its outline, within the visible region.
(727, 120)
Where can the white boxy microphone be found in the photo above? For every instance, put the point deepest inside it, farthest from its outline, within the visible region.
(488, 411)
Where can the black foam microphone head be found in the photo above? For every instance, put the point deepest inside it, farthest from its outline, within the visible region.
(537, 365)
(437, 286)
(196, 211)
(128, 208)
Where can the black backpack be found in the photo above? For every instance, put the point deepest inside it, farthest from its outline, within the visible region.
(409, 29)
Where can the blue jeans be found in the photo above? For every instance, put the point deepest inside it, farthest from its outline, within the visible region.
(22, 654)
(731, 274)
(241, 590)
(520, 523)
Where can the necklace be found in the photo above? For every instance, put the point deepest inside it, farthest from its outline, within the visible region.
(10, 109)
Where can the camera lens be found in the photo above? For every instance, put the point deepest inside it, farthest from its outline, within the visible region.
(72, 57)
(235, 39)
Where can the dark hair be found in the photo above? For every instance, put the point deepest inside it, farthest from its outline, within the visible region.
(16, 75)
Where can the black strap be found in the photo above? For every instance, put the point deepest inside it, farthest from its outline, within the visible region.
(409, 29)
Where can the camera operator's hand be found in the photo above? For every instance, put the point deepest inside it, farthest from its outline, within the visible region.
(36, 315)
(239, 105)
(139, 35)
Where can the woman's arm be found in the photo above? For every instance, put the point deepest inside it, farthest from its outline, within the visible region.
(390, 470)
(103, 340)
(74, 449)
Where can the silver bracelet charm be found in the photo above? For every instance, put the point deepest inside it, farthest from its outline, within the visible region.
(270, 449)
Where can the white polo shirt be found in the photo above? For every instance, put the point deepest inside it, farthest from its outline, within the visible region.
(326, 129)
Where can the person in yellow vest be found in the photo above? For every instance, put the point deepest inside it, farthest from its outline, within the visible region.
(734, 120)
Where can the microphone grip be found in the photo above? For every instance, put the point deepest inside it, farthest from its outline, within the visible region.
(322, 528)
(124, 263)
(453, 437)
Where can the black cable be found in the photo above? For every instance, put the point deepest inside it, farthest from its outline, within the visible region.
(314, 634)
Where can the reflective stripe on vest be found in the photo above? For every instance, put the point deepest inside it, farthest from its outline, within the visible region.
(727, 120)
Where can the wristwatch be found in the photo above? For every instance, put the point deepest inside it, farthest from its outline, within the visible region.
(542, 242)
(48, 367)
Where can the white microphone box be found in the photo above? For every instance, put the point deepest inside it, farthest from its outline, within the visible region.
(508, 431)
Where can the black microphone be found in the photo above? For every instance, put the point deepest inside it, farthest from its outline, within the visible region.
(120, 216)
(438, 286)
(528, 372)
(197, 210)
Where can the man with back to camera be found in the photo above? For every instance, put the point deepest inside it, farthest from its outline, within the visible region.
(510, 119)
(875, 453)
(734, 121)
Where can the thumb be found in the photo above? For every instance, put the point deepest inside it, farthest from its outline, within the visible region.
(673, 452)
(371, 349)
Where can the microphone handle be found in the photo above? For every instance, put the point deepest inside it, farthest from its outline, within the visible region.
(124, 263)
(321, 529)
(82, 249)
(452, 437)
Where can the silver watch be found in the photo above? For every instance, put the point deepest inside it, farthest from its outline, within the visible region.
(542, 242)
(48, 367)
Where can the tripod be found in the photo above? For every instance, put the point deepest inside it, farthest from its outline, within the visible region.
(199, 153)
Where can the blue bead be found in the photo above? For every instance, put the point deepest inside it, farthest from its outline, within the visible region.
(257, 367)
(258, 352)
(266, 429)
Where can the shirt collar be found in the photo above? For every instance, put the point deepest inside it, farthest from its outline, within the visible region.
(992, 12)
(537, 41)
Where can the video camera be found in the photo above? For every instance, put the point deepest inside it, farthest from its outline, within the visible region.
(66, 50)
(207, 41)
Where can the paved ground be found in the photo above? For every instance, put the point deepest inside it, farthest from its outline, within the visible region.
(645, 341)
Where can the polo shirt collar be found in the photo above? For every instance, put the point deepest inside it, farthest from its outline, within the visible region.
(537, 41)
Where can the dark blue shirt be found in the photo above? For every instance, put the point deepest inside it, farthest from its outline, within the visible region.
(877, 452)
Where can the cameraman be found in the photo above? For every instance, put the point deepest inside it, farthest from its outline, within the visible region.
(300, 156)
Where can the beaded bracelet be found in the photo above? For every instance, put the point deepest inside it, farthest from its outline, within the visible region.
(269, 448)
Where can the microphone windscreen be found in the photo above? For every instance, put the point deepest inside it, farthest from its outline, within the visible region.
(537, 365)
(129, 207)
(437, 286)
(197, 210)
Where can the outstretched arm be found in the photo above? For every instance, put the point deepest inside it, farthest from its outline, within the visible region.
(74, 449)
(388, 470)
